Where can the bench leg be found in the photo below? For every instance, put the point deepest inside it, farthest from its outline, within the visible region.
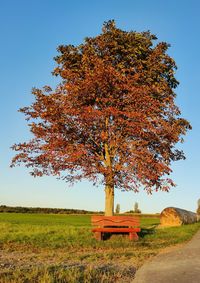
(133, 236)
(98, 236)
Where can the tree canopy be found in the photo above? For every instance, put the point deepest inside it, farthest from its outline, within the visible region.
(112, 119)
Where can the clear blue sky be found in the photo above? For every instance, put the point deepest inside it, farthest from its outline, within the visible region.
(30, 32)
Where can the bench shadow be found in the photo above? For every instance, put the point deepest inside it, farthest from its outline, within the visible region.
(107, 236)
(144, 232)
(147, 231)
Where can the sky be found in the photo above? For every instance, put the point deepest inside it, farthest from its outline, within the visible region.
(30, 33)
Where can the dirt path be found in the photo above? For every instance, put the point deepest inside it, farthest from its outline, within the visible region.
(181, 265)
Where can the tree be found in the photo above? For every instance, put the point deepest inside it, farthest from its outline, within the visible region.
(198, 207)
(112, 119)
(117, 209)
(136, 208)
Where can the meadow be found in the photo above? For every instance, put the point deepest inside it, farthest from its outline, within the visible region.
(61, 248)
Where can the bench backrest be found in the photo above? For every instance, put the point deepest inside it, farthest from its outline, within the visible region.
(99, 220)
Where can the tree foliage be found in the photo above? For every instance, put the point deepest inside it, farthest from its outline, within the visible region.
(112, 119)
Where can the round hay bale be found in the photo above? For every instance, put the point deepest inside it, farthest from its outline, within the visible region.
(173, 216)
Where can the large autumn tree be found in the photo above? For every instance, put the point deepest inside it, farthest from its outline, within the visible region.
(112, 119)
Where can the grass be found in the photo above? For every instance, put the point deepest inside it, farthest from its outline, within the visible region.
(60, 248)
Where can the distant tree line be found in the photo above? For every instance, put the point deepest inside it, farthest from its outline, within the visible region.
(19, 209)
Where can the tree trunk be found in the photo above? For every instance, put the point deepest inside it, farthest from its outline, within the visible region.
(109, 200)
(109, 184)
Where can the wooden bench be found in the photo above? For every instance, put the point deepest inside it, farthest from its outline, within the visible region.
(115, 224)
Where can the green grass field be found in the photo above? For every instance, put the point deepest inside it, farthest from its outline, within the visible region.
(61, 248)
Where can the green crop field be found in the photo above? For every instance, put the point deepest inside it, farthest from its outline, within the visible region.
(61, 248)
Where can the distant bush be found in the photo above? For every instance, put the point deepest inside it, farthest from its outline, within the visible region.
(19, 209)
